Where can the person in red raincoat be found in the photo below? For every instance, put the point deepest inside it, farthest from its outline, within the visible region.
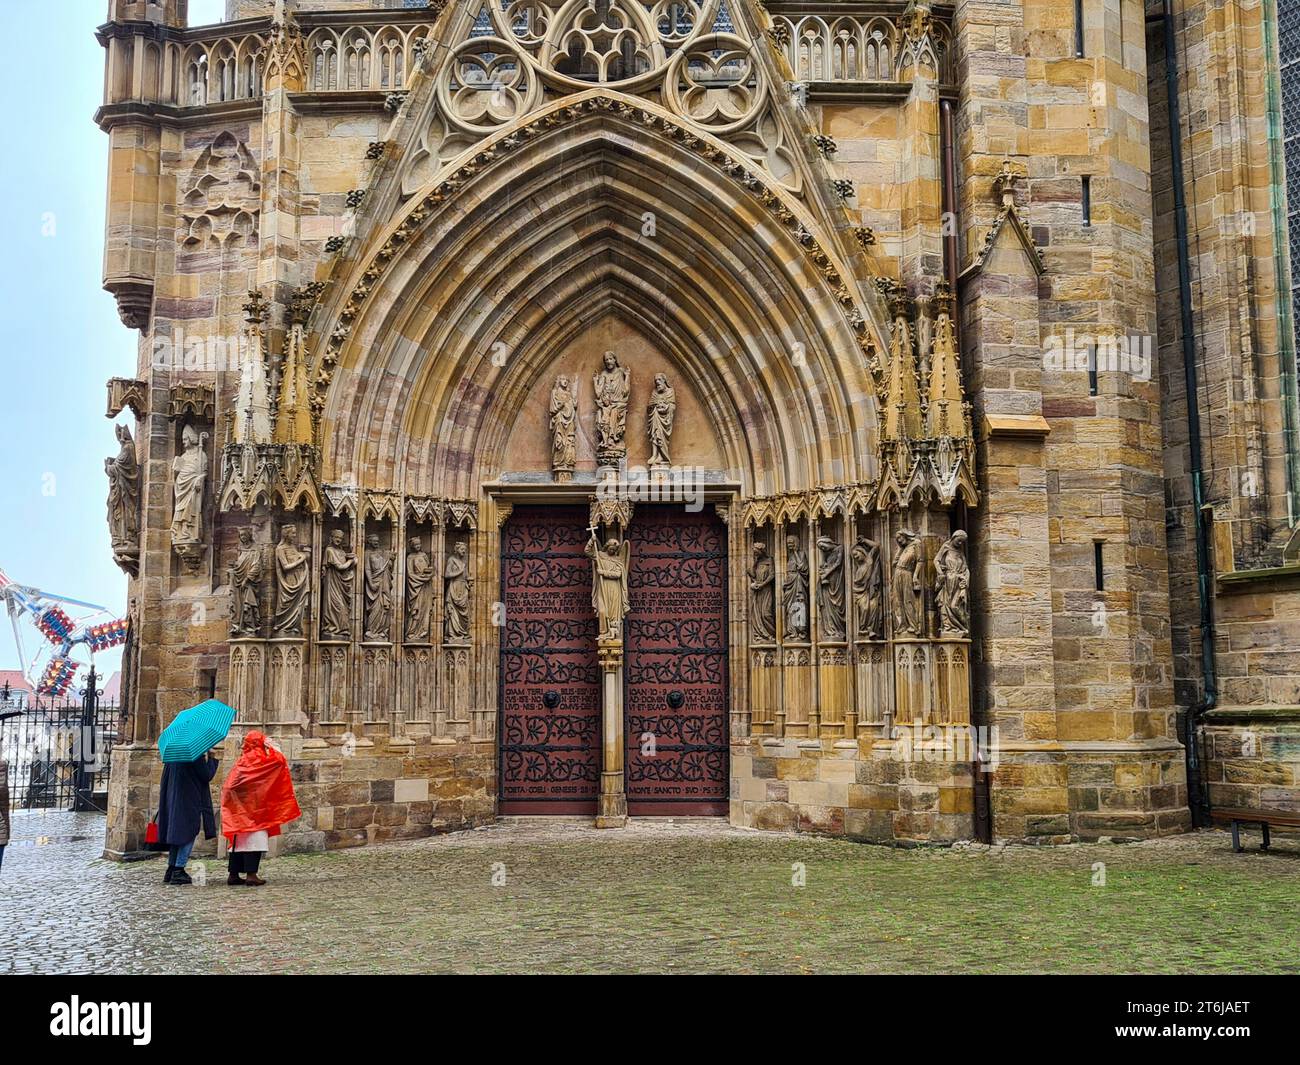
(256, 799)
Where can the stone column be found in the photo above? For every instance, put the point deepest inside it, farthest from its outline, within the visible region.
(612, 809)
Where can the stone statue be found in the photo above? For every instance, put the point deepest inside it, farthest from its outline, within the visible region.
(456, 600)
(609, 596)
(291, 584)
(564, 428)
(379, 590)
(659, 421)
(794, 592)
(952, 586)
(338, 586)
(124, 499)
(613, 385)
(909, 602)
(189, 475)
(762, 595)
(830, 589)
(868, 589)
(246, 587)
(419, 592)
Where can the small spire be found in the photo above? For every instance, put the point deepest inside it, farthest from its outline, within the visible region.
(293, 421)
(253, 406)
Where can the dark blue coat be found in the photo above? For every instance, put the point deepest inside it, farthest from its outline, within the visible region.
(185, 803)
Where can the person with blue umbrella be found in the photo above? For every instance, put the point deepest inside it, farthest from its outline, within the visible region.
(189, 764)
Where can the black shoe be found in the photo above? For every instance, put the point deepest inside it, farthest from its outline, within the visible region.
(167, 876)
(181, 877)
(234, 878)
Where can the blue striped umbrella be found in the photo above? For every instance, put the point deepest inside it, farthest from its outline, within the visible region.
(196, 731)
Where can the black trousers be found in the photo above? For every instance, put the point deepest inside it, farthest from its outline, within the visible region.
(244, 862)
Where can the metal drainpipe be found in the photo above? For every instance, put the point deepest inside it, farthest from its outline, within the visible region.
(1198, 798)
(983, 813)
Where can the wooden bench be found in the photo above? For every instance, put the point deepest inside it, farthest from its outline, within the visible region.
(1263, 818)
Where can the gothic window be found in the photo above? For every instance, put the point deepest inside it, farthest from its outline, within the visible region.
(1289, 51)
(196, 79)
(227, 75)
(391, 52)
(357, 63)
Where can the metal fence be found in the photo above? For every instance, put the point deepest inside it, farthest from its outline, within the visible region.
(58, 753)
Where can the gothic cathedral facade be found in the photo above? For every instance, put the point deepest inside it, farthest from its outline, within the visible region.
(767, 409)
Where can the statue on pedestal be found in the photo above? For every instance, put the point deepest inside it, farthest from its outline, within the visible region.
(952, 586)
(419, 591)
(379, 591)
(868, 589)
(246, 587)
(456, 599)
(659, 421)
(609, 595)
(830, 589)
(909, 593)
(794, 592)
(613, 384)
(189, 475)
(124, 501)
(564, 428)
(291, 584)
(762, 595)
(338, 584)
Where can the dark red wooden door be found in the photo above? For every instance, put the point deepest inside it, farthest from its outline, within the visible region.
(676, 663)
(550, 678)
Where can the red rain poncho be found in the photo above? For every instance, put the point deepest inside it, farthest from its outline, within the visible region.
(258, 794)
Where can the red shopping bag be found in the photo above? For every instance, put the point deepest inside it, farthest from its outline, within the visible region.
(151, 832)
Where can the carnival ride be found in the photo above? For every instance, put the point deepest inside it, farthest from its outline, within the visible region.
(46, 612)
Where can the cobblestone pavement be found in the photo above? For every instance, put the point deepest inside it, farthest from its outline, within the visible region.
(658, 897)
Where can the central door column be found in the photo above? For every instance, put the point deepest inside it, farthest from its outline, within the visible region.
(612, 810)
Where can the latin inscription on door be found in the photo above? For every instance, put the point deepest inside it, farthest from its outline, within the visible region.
(550, 679)
(676, 663)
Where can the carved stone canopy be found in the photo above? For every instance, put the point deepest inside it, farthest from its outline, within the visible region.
(126, 392)
(192, 401)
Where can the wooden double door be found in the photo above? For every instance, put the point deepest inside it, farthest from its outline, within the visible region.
(675, 664)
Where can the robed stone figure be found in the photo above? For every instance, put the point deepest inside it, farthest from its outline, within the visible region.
(952, 586)
(609, 595)
(794, 592)
(830, 589)
(762, 595)
(246, 587)
(292, 584)
(338, 586)
(613, 384)
(124, 498)
(379, 590)
(660, 415)
(419, 591)
(909, 592)
(189, 474)
(868, 589)
(456, 598)
(564, 427)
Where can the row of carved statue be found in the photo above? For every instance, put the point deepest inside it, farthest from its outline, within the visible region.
(950, 585)
(290, 580)
(613, 386)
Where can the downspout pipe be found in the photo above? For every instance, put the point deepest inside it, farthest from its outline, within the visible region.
(1198, 797)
